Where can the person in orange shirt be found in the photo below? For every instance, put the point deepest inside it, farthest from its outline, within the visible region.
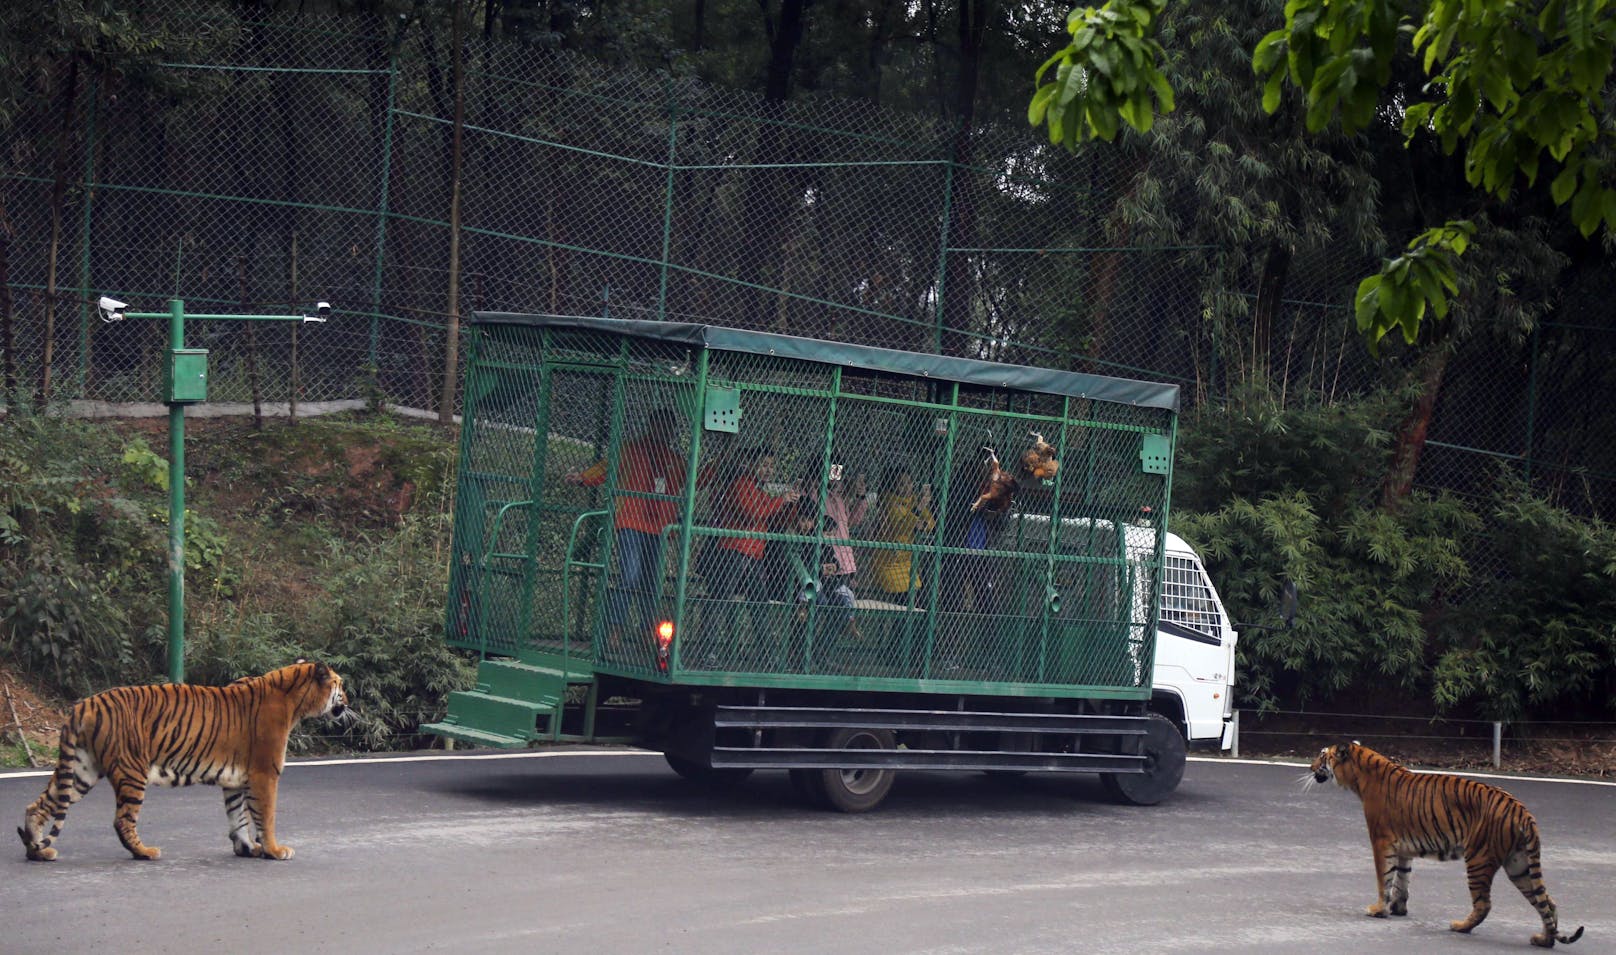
(733, 566)
(650, 479)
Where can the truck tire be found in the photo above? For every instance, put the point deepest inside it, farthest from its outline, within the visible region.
(1165, 752)
(857, 790)
(699, 773)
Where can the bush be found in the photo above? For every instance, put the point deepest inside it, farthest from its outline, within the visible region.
(1537, 636)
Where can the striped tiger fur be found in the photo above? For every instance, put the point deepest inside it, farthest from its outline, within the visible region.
(1446, 818)
(178, 734)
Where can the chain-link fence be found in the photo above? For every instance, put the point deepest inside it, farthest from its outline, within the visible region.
(288, 159)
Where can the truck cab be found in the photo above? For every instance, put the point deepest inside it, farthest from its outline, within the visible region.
(1193, 677)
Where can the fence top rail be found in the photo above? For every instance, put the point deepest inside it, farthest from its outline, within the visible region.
(914, 364)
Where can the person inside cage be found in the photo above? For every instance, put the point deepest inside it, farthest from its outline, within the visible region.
(970, 581)
(902, 512)
(650, 478)
(732, 565)
(845, 508)
(813, 573)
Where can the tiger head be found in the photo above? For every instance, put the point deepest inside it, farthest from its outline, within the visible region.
(329, 683)
(316, 688)
(1335, 762)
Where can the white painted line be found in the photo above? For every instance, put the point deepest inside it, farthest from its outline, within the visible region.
(1422, 772)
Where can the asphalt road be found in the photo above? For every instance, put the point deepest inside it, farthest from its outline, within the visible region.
(613, 853)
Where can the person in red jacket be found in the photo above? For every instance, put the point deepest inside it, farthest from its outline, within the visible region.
(650, 479)
(733, 566)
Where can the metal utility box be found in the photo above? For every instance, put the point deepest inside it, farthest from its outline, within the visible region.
(187, 378)
(846, 543)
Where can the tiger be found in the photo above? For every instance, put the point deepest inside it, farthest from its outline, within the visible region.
(176, 734)
(1444, 817)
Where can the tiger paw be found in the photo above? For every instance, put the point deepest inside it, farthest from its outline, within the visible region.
(147, 853)
(1399, 908)
(1376, 911)
(46, 854)
(245, 850)
(1461, 927)
(281, 852)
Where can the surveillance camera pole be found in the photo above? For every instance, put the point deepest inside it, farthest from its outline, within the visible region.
(186, 384)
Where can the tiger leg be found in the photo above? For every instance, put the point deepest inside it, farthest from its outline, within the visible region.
(1525, 870)
(243, 834)
(75, 775)
(261, 788)
(1385, 870)
(1397, 891)
(1480, 868)
(130, 790)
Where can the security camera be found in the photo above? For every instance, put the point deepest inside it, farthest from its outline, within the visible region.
(111, 308)
(322, 311)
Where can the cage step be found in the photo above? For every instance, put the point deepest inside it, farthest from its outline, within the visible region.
(476, 737)
(499, 715)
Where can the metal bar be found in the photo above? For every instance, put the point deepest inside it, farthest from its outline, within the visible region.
(942, 528)
(784, 758)
(176, 508)
(688, 515)
(748, 717)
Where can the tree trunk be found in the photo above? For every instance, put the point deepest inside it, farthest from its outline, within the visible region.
(959, 278)
(451, 333)
(766, 206)
(1412, 434)
(1270, 291)
(58, 198)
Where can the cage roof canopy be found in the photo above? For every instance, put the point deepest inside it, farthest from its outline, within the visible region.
(937, 367)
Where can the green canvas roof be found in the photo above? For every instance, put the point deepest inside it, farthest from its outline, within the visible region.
(939, 367)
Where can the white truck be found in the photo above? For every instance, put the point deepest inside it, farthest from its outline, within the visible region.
(1194, 672)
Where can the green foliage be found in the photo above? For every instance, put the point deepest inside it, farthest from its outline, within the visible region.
(1289, 494)
(1106, 76)
(1424, 275)
(78, 554)
(1538, 636)
(1512, 85)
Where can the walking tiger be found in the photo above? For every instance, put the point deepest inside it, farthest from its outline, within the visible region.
(176, 734)
(1445, 818)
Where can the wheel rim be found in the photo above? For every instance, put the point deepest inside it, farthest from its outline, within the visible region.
(862, 782)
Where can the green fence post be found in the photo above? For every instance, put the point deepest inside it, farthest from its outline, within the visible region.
(176, 506)
(1531, 403)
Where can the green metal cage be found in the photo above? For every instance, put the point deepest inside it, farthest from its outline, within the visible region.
(689, 504)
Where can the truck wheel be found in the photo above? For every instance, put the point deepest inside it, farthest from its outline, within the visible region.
(699, 773)
(1164, 751)
(857, 790)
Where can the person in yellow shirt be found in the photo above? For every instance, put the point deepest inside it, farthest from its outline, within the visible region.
(901, 512)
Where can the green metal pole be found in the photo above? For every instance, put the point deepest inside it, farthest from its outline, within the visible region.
(687, 515)
(176, 508)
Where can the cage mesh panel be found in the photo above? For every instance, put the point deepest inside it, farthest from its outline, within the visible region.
(832, 535)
